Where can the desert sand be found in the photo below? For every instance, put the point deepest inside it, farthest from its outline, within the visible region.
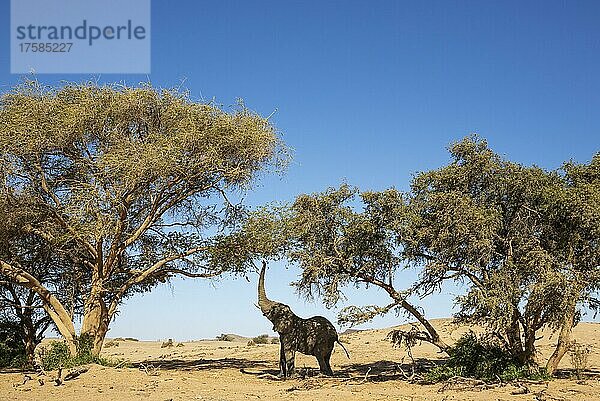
(211, 370)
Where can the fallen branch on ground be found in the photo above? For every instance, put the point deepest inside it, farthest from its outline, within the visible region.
(466, 383)
(75, 373)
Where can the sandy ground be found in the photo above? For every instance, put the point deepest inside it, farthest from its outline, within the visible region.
(210, 370)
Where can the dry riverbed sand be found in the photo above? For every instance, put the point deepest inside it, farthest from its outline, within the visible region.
(211, 371)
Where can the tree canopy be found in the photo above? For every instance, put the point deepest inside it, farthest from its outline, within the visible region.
(132, 181)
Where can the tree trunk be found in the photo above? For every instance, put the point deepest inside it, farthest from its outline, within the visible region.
(435, 337)
(564, 342)
(30, 344)
(527, 357)
(513, 336)
(29, 336)
(95, 322)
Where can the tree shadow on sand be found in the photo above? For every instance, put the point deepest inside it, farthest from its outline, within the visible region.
(566, 373)
(379, 371)
(384, 370)
(375, 371)
(203, 364)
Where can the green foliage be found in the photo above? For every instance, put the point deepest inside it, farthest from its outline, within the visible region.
(479, 358)
(441, 373)
(12, 349)
(12, 354)
(262, 339)
(484, 359)
(354, 315)
(56, 355)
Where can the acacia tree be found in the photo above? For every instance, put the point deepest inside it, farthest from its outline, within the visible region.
(515, 235)
(577, 229)
(136, 177)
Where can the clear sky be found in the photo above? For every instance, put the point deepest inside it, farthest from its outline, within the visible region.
(368, 92)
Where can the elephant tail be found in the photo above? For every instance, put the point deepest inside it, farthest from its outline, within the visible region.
(344, 348)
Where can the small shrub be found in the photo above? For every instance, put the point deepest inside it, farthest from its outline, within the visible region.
(262, 339)
(442, 373)
(56, 355)
(579, 355)
(112, 343)
(275, 340)
(225, 337)
(479, 358)
(12, 350)
(12, 355)
(482, 359)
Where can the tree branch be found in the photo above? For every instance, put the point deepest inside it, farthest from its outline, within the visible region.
(52, 305)
(145, 274)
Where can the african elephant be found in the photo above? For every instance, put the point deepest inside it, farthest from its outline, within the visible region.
(313, 336)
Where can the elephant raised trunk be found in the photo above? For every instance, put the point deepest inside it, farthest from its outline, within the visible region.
(264, 303)
(313, 336)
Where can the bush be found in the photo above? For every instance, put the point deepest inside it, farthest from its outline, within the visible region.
(262, 339)
(275, 340)
(482, 359)
(579, 354)
(111, 343)
(225, 337)
(441, 373)
(126, 339)
(56, 355)
(12, 355)
(12, 350)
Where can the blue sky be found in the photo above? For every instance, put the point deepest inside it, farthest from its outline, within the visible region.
(369, 93)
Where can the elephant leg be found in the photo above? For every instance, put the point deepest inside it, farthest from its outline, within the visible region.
(323, 359)
(290, 362)
(324, 365)
(287, 358)
(282, 367)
